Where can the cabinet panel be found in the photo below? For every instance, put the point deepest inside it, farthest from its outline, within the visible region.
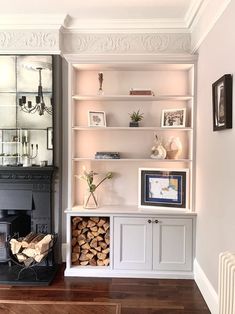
(133, 244)
(172, 244)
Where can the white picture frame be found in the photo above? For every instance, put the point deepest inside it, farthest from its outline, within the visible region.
(96, 119)
(173, 118)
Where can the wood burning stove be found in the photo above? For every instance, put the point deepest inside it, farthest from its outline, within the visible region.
(11, 225)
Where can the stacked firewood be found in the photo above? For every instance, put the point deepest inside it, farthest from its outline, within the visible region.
(90, 241)
(32, 248)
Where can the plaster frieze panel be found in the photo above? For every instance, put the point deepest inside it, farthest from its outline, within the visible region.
(28, 40)
(125, 43)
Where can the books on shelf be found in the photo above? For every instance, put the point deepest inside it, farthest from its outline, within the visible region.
(147, 92)
(107, 155)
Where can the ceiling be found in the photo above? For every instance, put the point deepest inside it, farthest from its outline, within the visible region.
(104, 9)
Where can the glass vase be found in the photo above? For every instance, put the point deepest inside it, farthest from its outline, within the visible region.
(90, 200)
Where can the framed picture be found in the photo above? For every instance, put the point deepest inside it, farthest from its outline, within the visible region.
(96, 119)
(163, 188)
(49, 138)
(222, 103)
(173, 118)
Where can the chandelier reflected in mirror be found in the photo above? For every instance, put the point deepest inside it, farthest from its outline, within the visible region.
(39, 106)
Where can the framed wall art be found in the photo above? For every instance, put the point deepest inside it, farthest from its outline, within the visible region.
(163, 188)
(96, 119)
(173, 118)
(222, 103)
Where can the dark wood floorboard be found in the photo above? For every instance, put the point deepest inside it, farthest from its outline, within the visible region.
(132, 296)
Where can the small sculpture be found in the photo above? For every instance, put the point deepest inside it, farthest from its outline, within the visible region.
(101, 78)
(158, 151)
(173, 148)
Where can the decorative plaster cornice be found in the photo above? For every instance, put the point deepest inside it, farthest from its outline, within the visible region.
(125, 43)
(44, 33)
(32, 21)
(21, 41)
(193, 12)
(124, 25)
(207, 17)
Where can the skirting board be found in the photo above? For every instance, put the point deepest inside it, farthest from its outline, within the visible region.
(206, 288)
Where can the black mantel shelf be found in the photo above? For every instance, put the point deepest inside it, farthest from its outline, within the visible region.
(9, 173)
(21, 168)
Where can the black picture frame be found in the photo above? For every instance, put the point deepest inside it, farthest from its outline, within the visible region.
(163, 188)
(50, 138)
(222, 103)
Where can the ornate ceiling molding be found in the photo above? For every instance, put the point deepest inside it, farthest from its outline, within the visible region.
(113, 43)
(27, 41)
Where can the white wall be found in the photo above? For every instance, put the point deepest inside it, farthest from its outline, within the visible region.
(215, 186)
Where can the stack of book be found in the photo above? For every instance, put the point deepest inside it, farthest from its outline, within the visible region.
(107, 155)
(147, 92)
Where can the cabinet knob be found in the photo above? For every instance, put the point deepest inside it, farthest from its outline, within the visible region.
(156, 221)
(149, 221)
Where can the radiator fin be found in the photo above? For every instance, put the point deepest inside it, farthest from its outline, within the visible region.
(227, 283)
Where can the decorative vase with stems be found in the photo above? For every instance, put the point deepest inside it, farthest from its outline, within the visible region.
(90, 198)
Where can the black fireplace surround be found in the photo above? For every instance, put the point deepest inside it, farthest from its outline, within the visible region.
(25, 202)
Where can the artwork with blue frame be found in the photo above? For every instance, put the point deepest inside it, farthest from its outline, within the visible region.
(163, 188)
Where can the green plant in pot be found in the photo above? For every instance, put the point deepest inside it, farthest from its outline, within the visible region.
(136, 117)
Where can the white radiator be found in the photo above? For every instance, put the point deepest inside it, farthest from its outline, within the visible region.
(227, 283)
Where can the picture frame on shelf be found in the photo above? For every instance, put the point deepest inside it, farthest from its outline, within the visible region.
(50, 138)
(96, 119)
(175, 118)
(222, 103)
(166, 188)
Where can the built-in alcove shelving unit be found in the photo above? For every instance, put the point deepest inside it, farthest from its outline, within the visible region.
(172, 83)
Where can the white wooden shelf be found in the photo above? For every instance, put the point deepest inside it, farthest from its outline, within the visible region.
(10, 156)
(117, 128)
(10, 143)
(132, 97)
(126, 209)
(131, 160)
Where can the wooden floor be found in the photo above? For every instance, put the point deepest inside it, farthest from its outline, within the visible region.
(96, 295)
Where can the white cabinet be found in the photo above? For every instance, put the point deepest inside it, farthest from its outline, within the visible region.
(138, 247)
(152, 243)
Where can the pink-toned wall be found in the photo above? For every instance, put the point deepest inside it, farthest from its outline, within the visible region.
(215, 151)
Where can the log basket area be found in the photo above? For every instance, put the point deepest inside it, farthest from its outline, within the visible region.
(30, 251)
(90, 241)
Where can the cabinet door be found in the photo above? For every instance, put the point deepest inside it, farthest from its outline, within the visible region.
(172, 244)
(133, 243)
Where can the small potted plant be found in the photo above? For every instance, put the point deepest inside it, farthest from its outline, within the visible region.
(136, 116)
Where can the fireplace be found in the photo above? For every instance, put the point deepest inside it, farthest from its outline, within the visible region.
(25, 205)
